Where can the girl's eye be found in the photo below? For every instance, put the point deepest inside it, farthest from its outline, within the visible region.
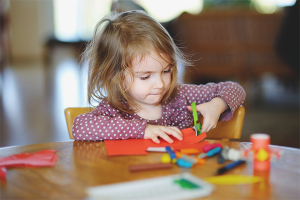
(167, 71)
(144, 78)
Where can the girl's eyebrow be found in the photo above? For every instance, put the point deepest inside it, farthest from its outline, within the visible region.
(148, 72)
(144, 72)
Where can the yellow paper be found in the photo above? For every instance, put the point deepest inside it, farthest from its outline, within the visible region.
(232, 179)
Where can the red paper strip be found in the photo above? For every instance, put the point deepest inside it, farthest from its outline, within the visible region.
(139, 146)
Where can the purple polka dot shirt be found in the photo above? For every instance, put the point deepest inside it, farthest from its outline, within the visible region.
(108, 123)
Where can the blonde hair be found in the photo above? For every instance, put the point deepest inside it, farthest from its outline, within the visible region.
(119, 38)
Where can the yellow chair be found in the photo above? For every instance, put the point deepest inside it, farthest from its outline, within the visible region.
(224, 130)
(71, 113)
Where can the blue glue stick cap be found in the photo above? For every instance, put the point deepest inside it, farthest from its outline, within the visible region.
(170, 152)
(213, 152)
(183, 163)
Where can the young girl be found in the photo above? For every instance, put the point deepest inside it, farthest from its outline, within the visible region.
(133, 74)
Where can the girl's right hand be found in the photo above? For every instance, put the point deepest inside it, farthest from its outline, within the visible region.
(154, 131)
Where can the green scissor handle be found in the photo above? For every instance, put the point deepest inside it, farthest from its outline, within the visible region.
(195, 116)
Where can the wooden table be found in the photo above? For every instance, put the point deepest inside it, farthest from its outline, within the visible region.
(83, 164)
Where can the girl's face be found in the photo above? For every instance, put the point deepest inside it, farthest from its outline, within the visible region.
(151, 80)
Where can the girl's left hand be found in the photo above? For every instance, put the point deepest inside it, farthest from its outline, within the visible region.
(211, 112)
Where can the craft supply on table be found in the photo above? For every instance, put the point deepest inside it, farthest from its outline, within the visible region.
(210, 153)
(146, 167)
(209, 147)
(189, 151)
(189, 159)
(3, 172)
(261, 151)
(178, 154)
(230, 166)
(170, 152)
(140, 146)
(233, 179)
(230, 154)
(165, 158)
(200, 161)
(202, 155)
(45, 158)
(183, 163)
(156, 149)
(179, 186)
(213, 152)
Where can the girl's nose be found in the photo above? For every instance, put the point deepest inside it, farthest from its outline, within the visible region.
(159, 82)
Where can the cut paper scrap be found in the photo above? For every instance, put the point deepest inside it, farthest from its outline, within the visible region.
(139, 146)
(233, 179)
(43, 158)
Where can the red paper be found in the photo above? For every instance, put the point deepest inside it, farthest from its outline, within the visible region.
(139, 146)
(39, 159)
(2, 172)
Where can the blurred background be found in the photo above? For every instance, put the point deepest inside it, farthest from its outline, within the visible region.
(253, 42)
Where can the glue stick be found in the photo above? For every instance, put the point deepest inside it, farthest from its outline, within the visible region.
(261, 151)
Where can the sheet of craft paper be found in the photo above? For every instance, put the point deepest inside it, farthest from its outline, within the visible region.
(139, 146)
(38, 159)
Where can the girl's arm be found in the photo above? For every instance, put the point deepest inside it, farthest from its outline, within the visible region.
(230, 92)
(215, 101)
(107, 123)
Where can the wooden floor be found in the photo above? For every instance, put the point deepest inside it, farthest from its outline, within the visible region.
(35, 94)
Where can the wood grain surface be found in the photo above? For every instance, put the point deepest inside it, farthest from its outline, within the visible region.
(82, 164)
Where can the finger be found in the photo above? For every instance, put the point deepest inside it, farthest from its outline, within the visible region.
(190, 108)
(164, 136)
(155, 139)
(171, 131)
(205, 125)
(209, 128)
(177, 130)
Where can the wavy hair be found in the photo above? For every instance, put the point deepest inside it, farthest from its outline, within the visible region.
(119, 38)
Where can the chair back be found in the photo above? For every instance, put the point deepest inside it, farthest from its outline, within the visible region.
(71, 113)
(224, 130)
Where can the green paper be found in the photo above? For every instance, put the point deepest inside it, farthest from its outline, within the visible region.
(186, 184)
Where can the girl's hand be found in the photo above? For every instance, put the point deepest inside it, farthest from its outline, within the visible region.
(211, 112)
(154, 131)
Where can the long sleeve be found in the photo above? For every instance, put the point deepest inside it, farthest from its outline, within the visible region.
(232, 93)
(107, 123)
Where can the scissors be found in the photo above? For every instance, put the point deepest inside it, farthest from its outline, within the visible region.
(197, 126)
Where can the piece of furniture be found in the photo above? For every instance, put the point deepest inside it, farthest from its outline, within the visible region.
(82, 164)
(230, 44)
(231, 129)
(71, 113)
(224, 130)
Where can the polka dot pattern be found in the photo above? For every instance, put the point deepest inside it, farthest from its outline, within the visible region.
(108, 123)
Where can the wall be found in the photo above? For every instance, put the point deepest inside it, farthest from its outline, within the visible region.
(31, 24)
